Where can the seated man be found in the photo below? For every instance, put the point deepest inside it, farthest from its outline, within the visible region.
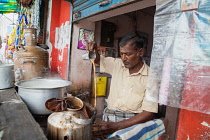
(126, 101)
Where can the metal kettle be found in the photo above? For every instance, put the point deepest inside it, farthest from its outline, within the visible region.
(71, 124)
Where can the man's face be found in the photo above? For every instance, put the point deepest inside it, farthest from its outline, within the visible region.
(130, 56)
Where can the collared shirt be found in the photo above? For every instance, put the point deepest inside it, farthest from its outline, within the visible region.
(127, 91)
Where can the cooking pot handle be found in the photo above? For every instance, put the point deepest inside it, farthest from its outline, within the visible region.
(23, 61)
(93, 117)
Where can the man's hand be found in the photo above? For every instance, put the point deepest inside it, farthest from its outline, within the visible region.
(104, 128)
(92, 46)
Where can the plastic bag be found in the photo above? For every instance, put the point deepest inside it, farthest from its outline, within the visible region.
(180, 63)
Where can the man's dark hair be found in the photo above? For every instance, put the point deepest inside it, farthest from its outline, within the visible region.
(132, 39)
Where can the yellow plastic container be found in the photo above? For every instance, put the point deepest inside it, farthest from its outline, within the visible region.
(101, 83)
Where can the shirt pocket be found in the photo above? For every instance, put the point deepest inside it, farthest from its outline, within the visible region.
(133, 100)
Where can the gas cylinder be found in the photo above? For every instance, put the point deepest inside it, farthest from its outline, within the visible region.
(30, 61)
(69, 125)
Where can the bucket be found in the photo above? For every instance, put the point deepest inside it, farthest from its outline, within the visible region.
(6, 76)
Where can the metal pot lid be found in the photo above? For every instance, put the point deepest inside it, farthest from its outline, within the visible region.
(43, 83)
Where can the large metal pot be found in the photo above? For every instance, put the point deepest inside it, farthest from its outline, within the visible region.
(36, 92)
(30, 61)
(6, 76)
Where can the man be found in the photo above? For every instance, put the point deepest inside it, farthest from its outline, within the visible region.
(126, 103)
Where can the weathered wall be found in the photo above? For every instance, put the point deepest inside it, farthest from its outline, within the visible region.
(80, 70)
(58, 37)
(193, 125)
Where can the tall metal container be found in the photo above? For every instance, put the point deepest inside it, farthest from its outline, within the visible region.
(30, 61)
(69, 125)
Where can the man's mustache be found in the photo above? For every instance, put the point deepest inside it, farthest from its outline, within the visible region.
(125, 62)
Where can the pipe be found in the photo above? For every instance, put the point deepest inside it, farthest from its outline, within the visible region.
(69, 50)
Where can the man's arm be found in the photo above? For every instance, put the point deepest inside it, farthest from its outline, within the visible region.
(110, 127)
(140, 118)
